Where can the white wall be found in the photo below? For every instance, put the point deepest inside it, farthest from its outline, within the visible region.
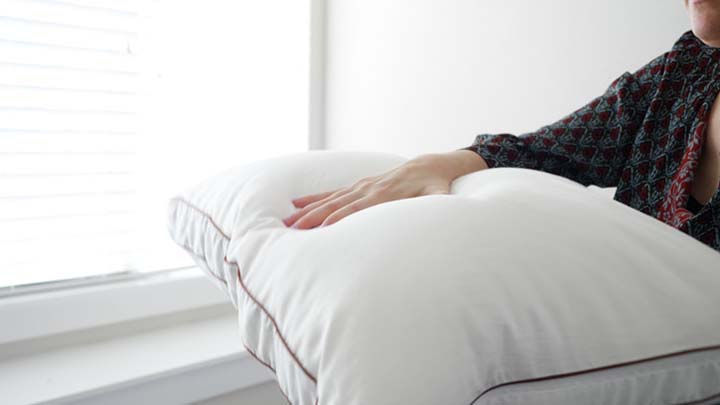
(417, 76)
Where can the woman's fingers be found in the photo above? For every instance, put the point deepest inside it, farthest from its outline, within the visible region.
(301, 202)
(335, 205)
(425, 175)
(289, 221)
(351, 208)
(316, 216)
(310, 202)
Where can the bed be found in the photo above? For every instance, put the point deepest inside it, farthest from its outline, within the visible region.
(517, 287)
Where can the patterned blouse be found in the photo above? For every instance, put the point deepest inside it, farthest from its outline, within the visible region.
(644, 136)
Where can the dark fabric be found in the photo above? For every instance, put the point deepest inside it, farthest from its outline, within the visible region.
(694, 205)
(644, 135)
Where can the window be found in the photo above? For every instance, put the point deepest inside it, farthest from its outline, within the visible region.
(110, 107)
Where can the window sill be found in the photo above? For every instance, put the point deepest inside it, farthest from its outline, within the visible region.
(182, 363)
(65, 310)
(169, 337)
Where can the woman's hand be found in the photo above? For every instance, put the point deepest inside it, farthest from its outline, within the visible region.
(423, 175)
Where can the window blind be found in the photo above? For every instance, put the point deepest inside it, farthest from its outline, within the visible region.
(69, 88)
(110, 107)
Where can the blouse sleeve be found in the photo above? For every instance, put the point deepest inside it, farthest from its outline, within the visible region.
(705, 226)
(590, 146)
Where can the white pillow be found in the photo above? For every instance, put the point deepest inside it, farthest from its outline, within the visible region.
(256, 196)
(518, 278)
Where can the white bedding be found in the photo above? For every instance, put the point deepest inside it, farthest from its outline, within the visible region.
(647, 382)
(455, 299)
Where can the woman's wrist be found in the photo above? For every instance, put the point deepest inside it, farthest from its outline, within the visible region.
(452, 165)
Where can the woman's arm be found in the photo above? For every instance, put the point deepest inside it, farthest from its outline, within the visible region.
(423, 175)
(592, 145)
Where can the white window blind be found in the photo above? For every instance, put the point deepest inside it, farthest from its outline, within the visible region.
(109, 107)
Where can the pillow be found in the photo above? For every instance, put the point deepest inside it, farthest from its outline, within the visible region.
(256, 196)
(518, 287)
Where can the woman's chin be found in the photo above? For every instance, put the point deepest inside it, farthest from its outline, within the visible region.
(705, 22)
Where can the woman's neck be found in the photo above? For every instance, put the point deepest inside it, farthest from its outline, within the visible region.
(711, 40)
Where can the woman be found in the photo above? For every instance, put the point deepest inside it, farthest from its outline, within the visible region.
(654, 134)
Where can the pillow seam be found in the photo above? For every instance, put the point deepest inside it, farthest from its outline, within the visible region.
(244, 287)
(601, 368)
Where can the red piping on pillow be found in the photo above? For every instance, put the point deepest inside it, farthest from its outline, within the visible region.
(258, 359)
(277, 328)
(205, 214)
(591, 370)
(249, 294)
